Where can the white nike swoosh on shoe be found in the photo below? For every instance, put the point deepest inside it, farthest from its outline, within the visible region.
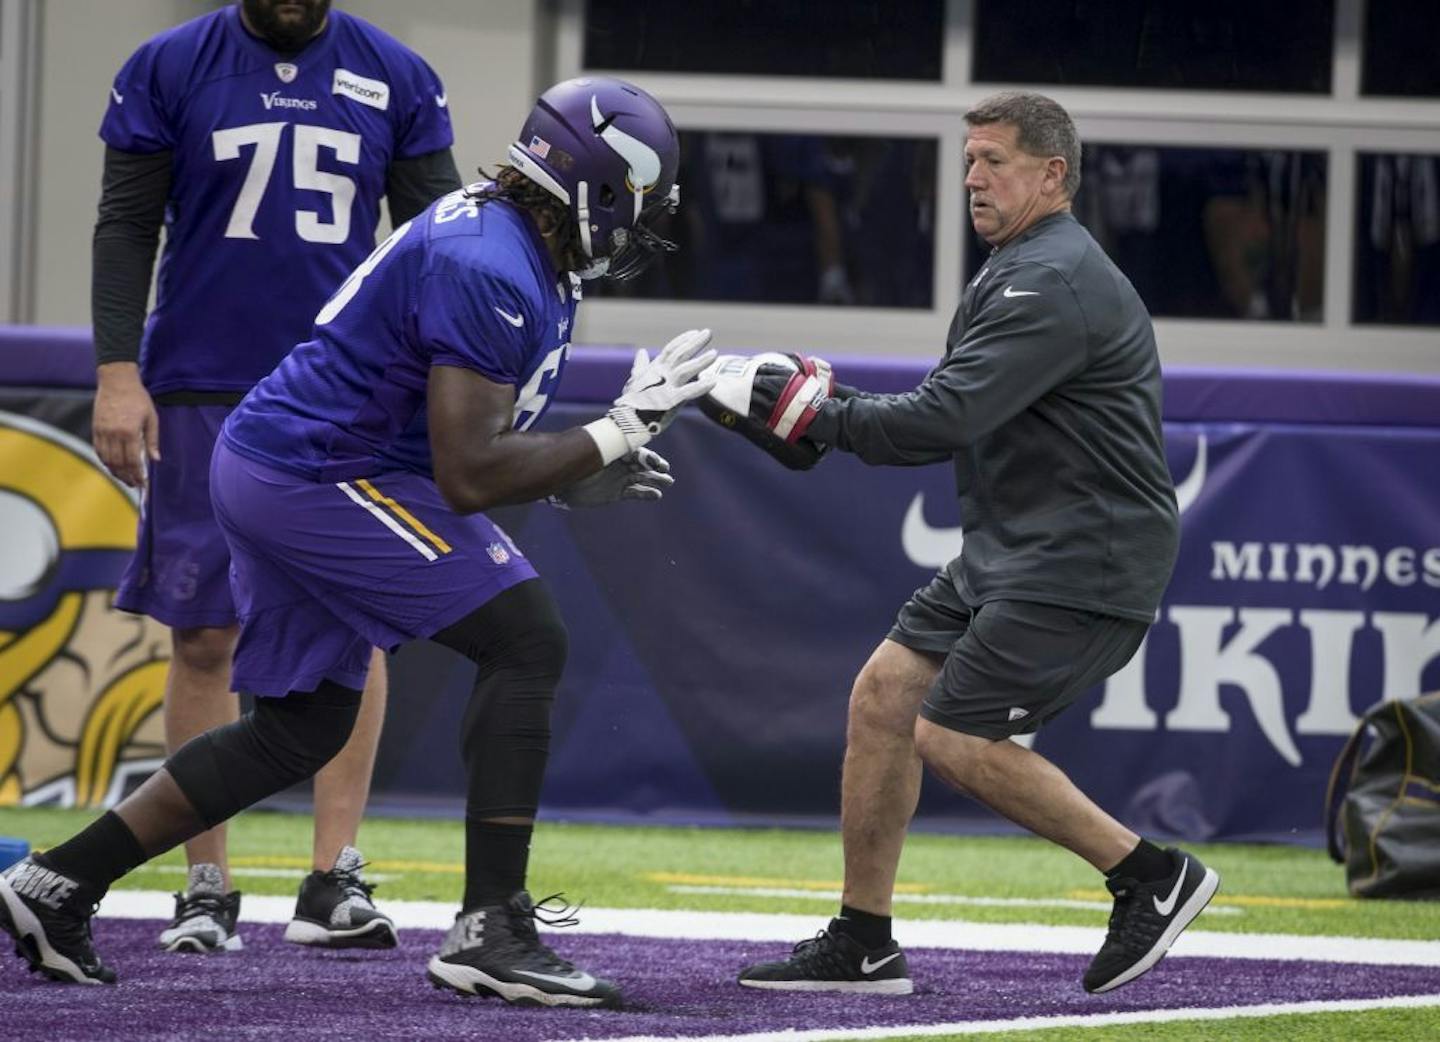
(867, 967)
(577, 981)
(1167, 906)
(515, 320)
(1012, 292)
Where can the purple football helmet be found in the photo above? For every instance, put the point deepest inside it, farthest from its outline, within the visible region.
(608, 151)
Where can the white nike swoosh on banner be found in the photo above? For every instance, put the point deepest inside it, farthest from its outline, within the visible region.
(579, 981)
(867, 967)
(1010, 292)
(926, 546)
(119, 98)
(515, 320)
(1167, 906)
(1187, 491)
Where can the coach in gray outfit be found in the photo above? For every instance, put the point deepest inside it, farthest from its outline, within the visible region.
(1047, 402)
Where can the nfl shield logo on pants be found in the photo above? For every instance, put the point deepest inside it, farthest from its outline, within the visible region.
(286, 71)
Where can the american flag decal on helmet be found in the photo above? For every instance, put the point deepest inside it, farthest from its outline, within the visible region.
(540, 146)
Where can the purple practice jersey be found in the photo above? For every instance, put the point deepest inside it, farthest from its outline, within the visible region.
(278, 171)
(462, 284)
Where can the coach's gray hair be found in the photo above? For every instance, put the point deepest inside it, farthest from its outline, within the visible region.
(1044, 128)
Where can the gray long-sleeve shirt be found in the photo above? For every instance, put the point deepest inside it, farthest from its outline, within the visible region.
(1048, 401)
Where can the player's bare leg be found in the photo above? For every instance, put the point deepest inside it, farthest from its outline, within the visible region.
(342, 786)
(197, 699)
(880, 784)
(1026, 788)
(334, 909)
(879, 789)
(1158, 893)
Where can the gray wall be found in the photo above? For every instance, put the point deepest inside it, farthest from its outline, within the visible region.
(484, 50)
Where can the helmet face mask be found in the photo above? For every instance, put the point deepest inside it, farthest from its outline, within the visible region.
(609, 152)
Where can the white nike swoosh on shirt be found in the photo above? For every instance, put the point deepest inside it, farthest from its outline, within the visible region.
(867, 967)
(578, 981)
(1009, 292)
(515, 320)
(119, 98)
(442, 100)
(1167, 906)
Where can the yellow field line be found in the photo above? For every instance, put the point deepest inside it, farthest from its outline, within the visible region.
(687, 879)
(1246, 900)
(381, 865)
(1240, 900)
(693, 879)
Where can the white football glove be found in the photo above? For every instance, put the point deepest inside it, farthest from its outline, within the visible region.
(643, 474)
(653, 394)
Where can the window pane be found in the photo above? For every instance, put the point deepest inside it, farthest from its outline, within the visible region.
(798, 219)
(1397, 240)
(1191, 44)
(1208, 233)
(863, 39)
(1401, 41)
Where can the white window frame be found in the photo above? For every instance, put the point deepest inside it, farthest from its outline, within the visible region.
(1340, 124)
(19, 94)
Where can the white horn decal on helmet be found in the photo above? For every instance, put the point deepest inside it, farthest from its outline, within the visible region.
(644, 161)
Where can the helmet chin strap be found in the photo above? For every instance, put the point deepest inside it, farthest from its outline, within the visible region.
(594, 270)
(582, 216)
(598, 266)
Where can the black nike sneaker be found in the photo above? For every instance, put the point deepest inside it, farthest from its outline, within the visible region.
(1147, 918)
(834, 961)
(496, 950)
(334, 909)
(49, 916)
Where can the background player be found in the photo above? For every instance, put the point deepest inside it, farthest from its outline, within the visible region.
(1048, 403)
(262, 136)
(350, 483)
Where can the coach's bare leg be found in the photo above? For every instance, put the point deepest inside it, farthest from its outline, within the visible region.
(198, 698)
(342, 786)
(881, 781)
(1026, 788)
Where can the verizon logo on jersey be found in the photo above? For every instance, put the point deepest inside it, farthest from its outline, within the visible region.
(375, 93)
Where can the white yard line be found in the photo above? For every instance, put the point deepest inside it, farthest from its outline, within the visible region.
(990, 1027)
(923, 933)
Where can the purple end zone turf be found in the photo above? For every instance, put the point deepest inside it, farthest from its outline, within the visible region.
(274, 990)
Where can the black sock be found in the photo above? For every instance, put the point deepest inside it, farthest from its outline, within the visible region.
(98, 854)
(496, 858)
(1147, 863)
(871, 931)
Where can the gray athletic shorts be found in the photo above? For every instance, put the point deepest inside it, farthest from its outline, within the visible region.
(1010, 666)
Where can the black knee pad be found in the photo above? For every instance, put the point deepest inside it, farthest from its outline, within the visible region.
(518, 643)
(278, 743)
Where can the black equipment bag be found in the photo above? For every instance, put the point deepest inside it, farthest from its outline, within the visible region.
(1382, 807)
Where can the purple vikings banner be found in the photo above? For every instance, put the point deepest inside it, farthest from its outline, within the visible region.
(714, 635)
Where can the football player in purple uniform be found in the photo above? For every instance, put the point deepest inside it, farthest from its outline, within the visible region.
(350, 484)
(263, 137)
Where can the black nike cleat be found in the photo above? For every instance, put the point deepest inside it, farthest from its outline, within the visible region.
(1147, 918)
(49, 916)
(834, 961)
(496, 950)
